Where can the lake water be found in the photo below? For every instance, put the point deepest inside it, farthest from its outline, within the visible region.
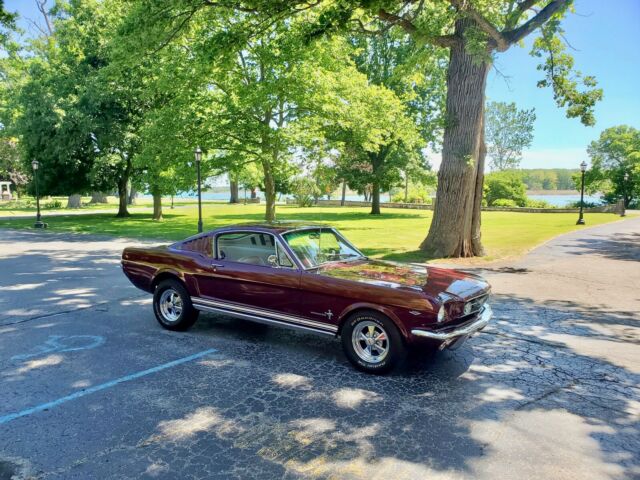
(564, 200)
(555, 200)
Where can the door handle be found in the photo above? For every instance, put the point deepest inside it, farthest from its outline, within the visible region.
(215, 266)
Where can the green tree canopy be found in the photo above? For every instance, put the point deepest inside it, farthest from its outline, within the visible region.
(472, 32)
(508, 131)
(615, 164)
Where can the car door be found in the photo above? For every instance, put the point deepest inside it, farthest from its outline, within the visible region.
(250, 269)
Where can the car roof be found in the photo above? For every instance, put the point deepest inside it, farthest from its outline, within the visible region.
(275, 227)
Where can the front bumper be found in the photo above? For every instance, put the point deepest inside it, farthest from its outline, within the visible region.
(465, 331)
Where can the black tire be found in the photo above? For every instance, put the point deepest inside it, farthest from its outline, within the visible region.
(178, 318)
(396, 351)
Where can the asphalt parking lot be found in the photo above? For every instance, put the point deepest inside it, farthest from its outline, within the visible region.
(92, 387)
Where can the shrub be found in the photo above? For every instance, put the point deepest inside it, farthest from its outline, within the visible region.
(415, 195)
(532, 203)
(586, 204)
(305, 191)
(53, 204)
(505, 185)
(504, 202)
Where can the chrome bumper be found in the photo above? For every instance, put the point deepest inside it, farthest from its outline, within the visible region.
(477, 325)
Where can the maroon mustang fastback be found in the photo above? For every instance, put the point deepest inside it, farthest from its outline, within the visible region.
(309, 277)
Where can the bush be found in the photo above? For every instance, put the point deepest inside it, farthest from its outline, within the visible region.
(505, 185)
(586, 204)
(305, 191)
(415, 195)
(53, 204)
(504, 202)
(531, 203)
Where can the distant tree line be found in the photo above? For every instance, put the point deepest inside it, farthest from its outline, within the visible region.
(549, 178)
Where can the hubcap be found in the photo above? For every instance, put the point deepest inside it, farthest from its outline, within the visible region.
(370, 342)
(170, 305)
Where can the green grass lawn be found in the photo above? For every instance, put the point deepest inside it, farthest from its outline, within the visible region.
(393, 235)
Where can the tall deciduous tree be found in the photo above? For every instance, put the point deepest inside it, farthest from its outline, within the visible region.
(615, 164)
(508, 132)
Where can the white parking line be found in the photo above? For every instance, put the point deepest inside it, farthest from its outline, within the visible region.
(103, 386)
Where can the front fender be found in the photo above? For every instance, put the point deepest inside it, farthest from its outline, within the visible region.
(376, 308)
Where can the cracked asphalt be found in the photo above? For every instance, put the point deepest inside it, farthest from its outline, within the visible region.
(549, 390)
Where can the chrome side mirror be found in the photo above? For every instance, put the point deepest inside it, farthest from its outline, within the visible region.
(272, 260)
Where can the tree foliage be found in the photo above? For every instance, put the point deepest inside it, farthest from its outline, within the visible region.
(507, 185)
(508, 131)
(615, 165)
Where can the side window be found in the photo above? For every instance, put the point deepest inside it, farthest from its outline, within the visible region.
(283, 258)
(246, 247)
(201, 245)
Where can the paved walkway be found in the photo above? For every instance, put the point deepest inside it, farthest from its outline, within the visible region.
(550, 390)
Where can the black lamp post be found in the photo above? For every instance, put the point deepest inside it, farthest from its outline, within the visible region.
(583, 168)
(39, 224)
(198, 154)
(624, 195)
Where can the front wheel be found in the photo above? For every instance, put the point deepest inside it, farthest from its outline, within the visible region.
(172, 306)
(372, 343)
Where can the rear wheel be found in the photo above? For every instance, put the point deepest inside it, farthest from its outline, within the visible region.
(372, 343)
(172, 306)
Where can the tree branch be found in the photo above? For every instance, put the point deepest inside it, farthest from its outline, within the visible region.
(42, 8)
(445, 41)
(518, 11)
(501, 43)
(517, 34)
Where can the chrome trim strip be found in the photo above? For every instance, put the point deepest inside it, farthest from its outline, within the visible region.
(264, 320)
(479, 324)
(263, 313)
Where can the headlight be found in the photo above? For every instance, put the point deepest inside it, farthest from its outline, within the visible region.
(441, 314)
(467, 308)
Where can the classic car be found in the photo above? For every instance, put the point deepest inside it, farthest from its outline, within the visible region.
(310, 277)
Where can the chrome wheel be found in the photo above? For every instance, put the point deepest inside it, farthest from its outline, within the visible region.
(171, 305)
(370, 342)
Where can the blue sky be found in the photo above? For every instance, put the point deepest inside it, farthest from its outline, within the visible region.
(606, 38)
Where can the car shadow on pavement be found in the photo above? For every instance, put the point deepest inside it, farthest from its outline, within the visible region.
(531, 392)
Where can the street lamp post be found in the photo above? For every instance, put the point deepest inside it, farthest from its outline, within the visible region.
(583, 168)
(39, 223)
(624, 195)
(198, 154)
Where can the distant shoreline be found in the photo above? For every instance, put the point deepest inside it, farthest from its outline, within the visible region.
(553, 192)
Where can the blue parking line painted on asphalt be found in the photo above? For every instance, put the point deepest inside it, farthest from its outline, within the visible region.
(103, 386)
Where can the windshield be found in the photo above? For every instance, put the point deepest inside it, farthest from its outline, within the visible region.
(316, 246)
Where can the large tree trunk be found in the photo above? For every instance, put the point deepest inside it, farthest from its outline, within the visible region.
(344, 192)
(157, 206)
(74, 201)
(375, 198)
(123, 183)
(98, 197)
(269, 192)
(457, 210)
(233, 187)
(122, 199)
(133, 193)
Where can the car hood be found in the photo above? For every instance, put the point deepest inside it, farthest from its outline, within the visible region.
(416, 277)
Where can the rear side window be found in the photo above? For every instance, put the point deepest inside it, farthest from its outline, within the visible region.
(246, 247)
(201, 245)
